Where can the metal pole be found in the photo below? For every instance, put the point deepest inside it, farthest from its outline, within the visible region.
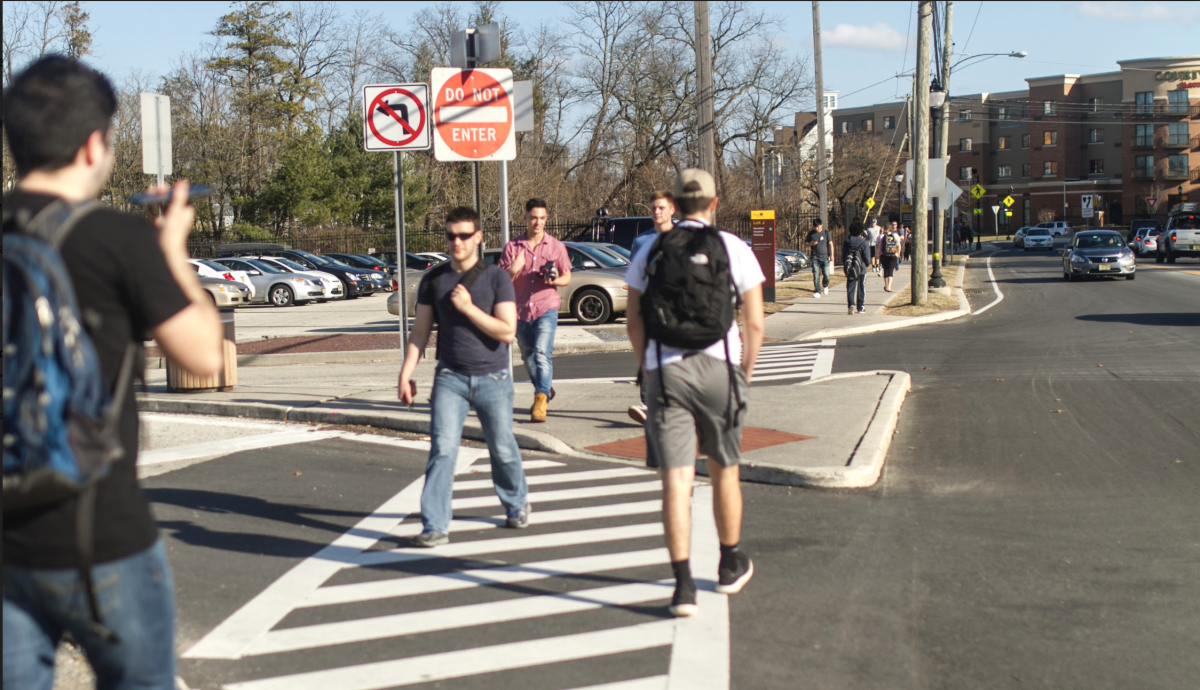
(822, 155)
(920, 284)
(936, 280)
(704, 90)
(401, 267)
(504, 231)
(942, 126)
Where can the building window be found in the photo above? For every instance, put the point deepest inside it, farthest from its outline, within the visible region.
(1177, 102)
(1024, 141)
(964, 144)
(964, 116)
(1005, 142)
(1177, 134)
(1143, 136)
(1143, 167)
(1096, 166)
(1050, 108)
(1177, 167)
(1050, 138)
(889, 122)
(831, 101)
(1050, 169)
(1143, 103)
(1095, 104)
(868, 125)
(964, 174)
(1007, 114)
(1004, 172)
(1095, 136)
(1025, 168)
(845, 127)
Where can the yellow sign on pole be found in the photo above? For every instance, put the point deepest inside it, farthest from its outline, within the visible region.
(870, 203)
(978, 191)
(762, 215)
(1009, 201)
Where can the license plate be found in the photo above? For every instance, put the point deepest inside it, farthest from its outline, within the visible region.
(1105, 267)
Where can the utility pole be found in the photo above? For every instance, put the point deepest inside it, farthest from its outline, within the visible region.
(822, 155)
(942, 132)
(704, 89)
(920, 283)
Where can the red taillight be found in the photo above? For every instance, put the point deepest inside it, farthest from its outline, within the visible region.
(1172, 237)
(395, 285)
(229, 276)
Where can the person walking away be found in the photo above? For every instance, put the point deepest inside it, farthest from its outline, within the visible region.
(662, 212)
(820, 251)
(683, 293)
(538, 264)
(907, 243)
(855, 259)
(895, 228)
(475, 308)
(131, 280)
(889, 250)
(873, 232)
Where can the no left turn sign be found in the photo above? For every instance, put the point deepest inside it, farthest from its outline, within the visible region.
(473, 114)
(395, 117)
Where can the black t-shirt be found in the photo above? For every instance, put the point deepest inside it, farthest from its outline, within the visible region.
(821, 251)
(461, 345)
(121, 275)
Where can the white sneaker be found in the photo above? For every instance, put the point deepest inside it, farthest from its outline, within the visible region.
(826, 291)
(816, 294)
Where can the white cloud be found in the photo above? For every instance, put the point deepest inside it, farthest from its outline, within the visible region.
(876, 37)
(1137, 11)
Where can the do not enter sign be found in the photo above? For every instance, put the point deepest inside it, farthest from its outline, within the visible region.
(473, 115)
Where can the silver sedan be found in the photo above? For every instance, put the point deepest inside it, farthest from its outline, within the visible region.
(273, 286)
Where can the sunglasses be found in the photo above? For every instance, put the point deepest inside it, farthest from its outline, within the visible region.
(451, 236)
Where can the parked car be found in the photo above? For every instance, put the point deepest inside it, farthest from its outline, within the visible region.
(1181, 237)
(1140, 224)
(275, 286)
(596, 295)
(413, 278)
(1144, 240)
(331, 283)
(210, 269)
(355, 282)
(367, 263)
(618, 231)
(798, 259)
(781, 271)
(1098, 253)
(1057, 228)
(617, 249)
(435, 257)
(1038, 238)
(225, 293)
(377, 277)
(1019, 237)
(601, 257)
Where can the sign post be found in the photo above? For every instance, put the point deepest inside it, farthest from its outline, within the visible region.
(762, 241)
(996, 215)
(156, 135)
(1150, 203)
(1086, 208)
(396, 119)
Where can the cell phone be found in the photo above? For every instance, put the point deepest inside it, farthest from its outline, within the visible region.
(195, 191)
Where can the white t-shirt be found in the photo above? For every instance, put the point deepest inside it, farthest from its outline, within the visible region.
(746, 274)
(873, 232)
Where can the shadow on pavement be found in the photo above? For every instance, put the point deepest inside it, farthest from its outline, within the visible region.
(1163, 319)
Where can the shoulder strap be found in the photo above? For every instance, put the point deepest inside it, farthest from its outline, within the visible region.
(55, 222)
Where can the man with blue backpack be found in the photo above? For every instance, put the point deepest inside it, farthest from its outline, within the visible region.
(84, 285)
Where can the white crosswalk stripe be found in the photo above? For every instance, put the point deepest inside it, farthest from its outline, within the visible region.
(597, 546)
(780, 361)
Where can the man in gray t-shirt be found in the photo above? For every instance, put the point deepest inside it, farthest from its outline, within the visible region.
(476, 311)
(873, 231)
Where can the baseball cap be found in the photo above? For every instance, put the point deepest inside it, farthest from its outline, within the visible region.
(694, 183)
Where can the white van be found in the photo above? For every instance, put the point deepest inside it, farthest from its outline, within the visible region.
(1056, 227)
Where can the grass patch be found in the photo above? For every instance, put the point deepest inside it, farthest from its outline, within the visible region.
(901, 304)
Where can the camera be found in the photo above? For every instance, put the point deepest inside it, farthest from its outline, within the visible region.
(550, 271)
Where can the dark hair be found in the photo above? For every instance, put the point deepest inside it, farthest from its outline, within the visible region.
(50, 110)
(535, 203)
(690, 205)
(462, 214)
(817, 223)
(663, 194)
(856, 229)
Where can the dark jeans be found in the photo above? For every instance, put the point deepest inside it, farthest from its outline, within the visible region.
(861, 286)
(820, 268)
(137, 602)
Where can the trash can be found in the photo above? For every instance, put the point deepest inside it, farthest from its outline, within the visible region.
(180, 381)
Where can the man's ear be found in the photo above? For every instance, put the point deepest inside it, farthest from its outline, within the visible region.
(94, 148)
(712, 206)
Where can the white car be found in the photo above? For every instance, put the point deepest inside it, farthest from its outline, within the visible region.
(1057, 228)
(211, 269)
(434, 256)
(329, 282)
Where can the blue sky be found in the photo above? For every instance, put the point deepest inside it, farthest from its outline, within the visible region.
(864, 42)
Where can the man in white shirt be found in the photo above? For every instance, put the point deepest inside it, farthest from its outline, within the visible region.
(873, 231)
(697, 394)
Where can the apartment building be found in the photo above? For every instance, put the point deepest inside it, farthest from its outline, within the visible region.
(1130, 138)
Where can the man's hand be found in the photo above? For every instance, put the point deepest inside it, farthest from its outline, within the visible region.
(404, 390)
(176, 222)
(518, 263)
(461, 299)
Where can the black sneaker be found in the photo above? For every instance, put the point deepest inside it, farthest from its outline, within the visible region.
(519, 518)
(732, 577)
(683, 604)
(430, 539)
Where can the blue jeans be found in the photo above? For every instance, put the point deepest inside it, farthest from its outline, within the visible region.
(856, 288)
(137, 602)
(491, 396)
(820, 266)
(536, 339)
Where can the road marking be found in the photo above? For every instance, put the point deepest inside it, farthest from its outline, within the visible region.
(205, 420)
(527, 464)
(700, 655)
(537, 497)
(995, 286)
(211, 449)
(650, 683)
(475, 661)
(560, 478)
(544, 517)
(783, 361)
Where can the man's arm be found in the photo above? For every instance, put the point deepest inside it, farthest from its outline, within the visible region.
(512, 259)
(634, 326)
(753, 328)
(418, 340)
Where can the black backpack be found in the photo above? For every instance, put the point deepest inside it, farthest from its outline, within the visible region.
(852, 263)
(690, 296)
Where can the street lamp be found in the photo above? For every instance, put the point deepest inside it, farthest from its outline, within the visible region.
(899, 195)
(1018, 54)
(937, 96)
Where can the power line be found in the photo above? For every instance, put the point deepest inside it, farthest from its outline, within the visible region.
(972, 32)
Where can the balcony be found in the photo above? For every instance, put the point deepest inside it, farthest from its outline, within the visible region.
(1175, 142)
(1195, 110)
(1142, 174)
(1164, 110)
(1196, 175)
(1196, 143)
(1144, 142)
(1171, 173)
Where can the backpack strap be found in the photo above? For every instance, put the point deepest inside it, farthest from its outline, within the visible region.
(467, 280)
(85, 532)
(53, 223)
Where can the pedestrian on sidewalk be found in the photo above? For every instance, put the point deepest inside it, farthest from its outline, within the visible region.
(889, 250)
(91, 564)
(698, 370)
(820, 256)
(907, 243)
(856, 255)
(895, 228)
(873, 231)
(662, 212)
(538, 265)
(477, 322)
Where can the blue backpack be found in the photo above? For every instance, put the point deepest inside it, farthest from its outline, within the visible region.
(60, 421)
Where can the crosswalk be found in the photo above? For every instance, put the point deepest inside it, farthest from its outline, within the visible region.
(785, 361)
(587, 582)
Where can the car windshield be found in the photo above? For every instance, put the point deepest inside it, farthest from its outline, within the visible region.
(618, 249)
(1039, 232)
(1186, 223)
(370, 260)
(264, 266)
(1154, 232)
(600, 256)
(213, 265)
(319, 260)
(290, 264)
(1098, 241)
(338, 262)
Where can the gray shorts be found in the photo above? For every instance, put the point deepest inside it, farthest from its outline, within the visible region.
(700, 407)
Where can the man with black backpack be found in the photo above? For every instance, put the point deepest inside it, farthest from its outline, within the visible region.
(856, 258)
(84, 285)
(475, 307)
(684, 290)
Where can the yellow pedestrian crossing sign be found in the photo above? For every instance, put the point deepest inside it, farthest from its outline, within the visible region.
(977, 191)
(870, 203)
(1009, 201)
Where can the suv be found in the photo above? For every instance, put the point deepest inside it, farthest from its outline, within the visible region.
(618, 231)
(1056, 227)
(1181, 237)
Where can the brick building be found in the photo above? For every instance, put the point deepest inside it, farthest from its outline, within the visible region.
(1124, 136)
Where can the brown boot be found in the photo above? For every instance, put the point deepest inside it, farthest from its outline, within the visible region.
(538, 412)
